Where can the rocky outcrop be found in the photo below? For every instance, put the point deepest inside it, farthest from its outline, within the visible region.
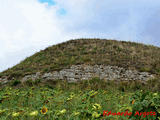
(85, 72)
(3, 80)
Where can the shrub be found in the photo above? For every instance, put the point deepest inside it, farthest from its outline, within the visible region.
(15, 82)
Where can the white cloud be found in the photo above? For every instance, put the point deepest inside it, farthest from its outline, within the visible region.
(26, 26)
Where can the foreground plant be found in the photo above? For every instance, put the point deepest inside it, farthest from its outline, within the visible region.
(44, 110)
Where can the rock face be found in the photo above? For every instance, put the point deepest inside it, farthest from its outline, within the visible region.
(85, 72)
(3, 80)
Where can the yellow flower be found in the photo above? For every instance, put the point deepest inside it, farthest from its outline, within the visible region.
(76, 113)
(68, 99)
(95, 115)
(92, 93)
(44, 110)
(1, 111)
(97, 106)
(71, 97)
(155, 94)
(34, 113)
(15, 114)
(61, 112)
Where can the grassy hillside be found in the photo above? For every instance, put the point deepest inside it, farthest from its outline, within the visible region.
(90, 51)
(89, 99)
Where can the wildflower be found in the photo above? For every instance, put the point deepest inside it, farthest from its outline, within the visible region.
(61, 112)
(97, 106)
(76, 113)
(155, 94)
(95, 115)
(44, 110)
(15, 114)
(34, 113)
(70, 97)
(1, 111)
(133, 101)
(92, 93)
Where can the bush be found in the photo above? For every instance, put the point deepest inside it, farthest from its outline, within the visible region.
(15, 82)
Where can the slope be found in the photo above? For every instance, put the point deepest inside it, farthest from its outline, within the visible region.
(128, 55)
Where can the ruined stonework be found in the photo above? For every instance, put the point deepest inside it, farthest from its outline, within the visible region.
(85, 72)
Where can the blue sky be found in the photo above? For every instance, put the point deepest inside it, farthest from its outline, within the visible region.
(60, 11)
(50, 2)
(28, 26)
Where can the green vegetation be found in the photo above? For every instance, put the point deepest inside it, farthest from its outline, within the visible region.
(15, 82)
(84, 101)
(90, 51)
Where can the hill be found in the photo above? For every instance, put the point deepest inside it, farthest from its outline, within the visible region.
(93, 98)
(128, 55)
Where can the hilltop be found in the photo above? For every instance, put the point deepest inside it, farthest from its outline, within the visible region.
(128, 55)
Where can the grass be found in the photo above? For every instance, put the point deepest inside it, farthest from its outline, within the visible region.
(129, 55)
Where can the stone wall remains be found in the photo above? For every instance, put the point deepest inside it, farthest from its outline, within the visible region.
(85, 72)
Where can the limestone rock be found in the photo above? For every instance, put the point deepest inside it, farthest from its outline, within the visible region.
(85, 72)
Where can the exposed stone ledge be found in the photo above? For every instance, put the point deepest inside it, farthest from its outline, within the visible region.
(84, 72)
